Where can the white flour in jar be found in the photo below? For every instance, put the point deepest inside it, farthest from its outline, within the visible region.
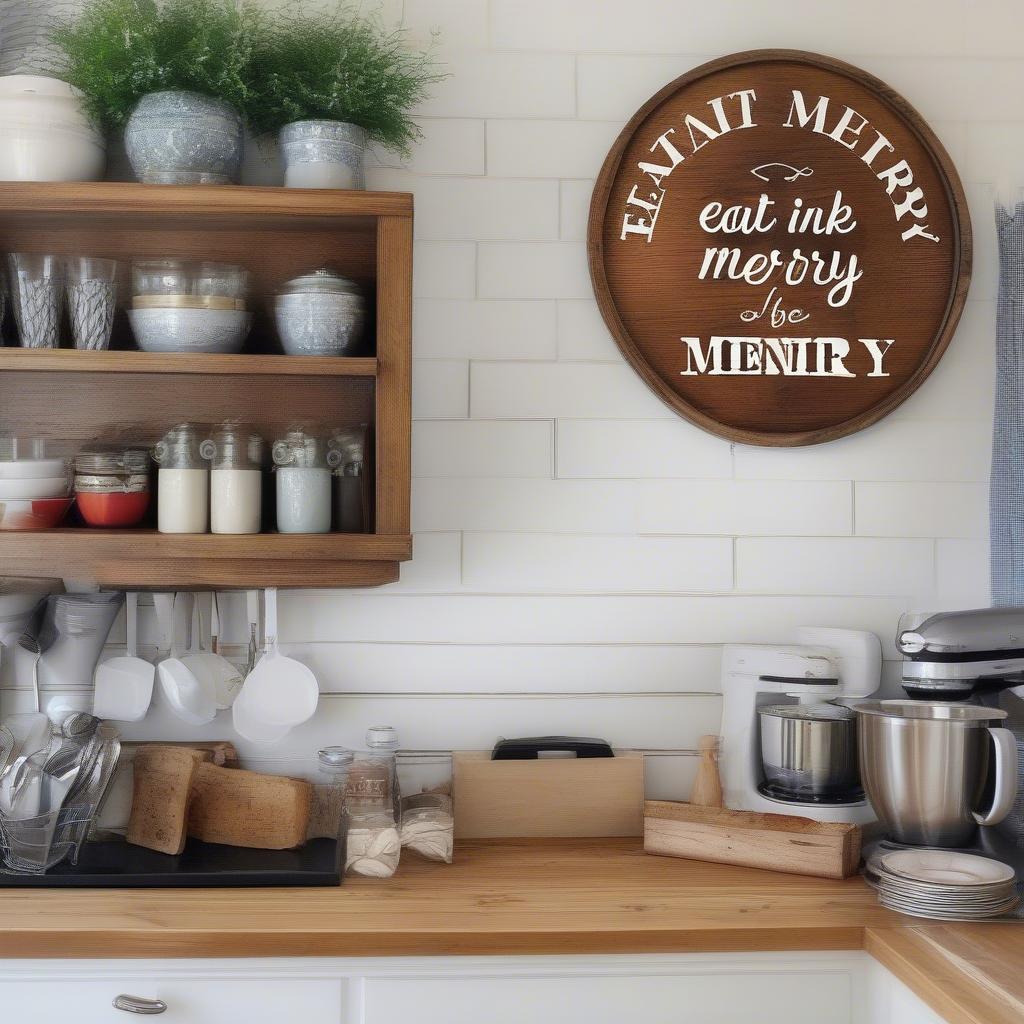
(235, 500)
(183, 500)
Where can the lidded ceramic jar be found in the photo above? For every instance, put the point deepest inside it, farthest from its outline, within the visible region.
(235, 453)
(183, 482)
(303, 488)
(320, 314)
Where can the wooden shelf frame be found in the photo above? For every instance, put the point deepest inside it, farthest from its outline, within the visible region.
(145, 559)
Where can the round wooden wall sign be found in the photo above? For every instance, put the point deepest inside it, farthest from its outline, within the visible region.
(780, 246)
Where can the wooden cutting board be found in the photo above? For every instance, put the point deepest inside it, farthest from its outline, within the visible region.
(777, 842)
(240, 808)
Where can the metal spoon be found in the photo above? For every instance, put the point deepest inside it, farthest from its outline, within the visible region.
(30, 644)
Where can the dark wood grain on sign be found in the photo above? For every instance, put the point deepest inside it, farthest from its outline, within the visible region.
(911, 290)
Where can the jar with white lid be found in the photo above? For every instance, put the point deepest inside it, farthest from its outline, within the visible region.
(303, 483)
(346, 454)
(183, 482)
(235, 454)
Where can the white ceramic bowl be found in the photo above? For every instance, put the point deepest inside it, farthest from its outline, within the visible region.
(175, 329)
(33, 514)
(43, 487)
(45, 134)
(31, 469)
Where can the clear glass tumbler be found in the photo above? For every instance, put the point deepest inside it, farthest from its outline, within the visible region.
(92, 298)
(37, 287)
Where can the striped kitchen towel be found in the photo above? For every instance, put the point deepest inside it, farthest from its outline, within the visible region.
(1006, 501)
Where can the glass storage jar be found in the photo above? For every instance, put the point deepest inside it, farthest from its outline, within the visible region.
(112, 485)
(373, 806)
(327, 815)
(345, 455)
(235, 454)
(183, 482)
(303, 483)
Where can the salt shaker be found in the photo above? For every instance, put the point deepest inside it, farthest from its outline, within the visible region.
(303, 483)
(183, 483)
(235, 454)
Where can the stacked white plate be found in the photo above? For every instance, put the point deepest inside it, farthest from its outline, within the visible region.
(943, 885)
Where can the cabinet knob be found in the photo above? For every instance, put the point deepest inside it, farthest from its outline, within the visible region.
(139, 1004)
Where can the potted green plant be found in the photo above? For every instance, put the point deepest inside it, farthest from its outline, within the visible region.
(330, 82)
(174, 74)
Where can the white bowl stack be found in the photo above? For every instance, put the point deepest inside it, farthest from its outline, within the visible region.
(943, 885)
(35, 493)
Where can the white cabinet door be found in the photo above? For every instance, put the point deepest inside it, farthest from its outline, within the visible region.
(190, 1000)
(719, 998)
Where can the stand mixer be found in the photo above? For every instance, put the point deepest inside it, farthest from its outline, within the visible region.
(824, 666)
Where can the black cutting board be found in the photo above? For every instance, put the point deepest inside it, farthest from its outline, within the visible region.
(119, 865)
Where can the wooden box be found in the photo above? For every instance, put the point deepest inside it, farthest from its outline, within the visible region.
(777, 842)
(547, 797)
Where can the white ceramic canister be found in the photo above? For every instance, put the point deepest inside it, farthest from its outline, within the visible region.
(183, 483)
(235, 453)
(45, 134)
(303, 483)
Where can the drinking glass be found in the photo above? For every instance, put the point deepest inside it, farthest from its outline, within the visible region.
(36, 292)
(91, 297)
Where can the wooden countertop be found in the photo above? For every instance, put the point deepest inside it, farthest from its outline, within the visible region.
(535, 897)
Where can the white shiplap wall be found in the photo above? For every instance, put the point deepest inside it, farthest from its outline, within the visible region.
(581, 553)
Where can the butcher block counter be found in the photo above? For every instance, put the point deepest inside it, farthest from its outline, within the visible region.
(535, 897)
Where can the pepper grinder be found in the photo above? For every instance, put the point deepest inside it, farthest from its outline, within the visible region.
(707, 787)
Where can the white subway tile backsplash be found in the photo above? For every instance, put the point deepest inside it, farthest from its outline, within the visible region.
(436, 566)
(921, 509)
(484, 329)
(380, 617)
(499, 668)
(477, 208)
(582, 333)
(851, 565)
(614, 87)
(653, 26)
(539, 562)
(893, 449)
(548, 149)
(448, 146)
(476, 448)
(440, 389)
(525, 505)
(639, 448)
(539, 270)
(574, 210)
(745, 507)
(444, 270)
(533, 390)
(447, 24)
(963, 572)
(492, 84)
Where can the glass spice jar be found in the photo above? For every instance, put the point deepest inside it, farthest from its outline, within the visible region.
(235, 454)
(112, 485)
(183, 483)
(346, 454)
(303, 483)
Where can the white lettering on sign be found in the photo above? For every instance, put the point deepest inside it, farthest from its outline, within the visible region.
(788, 357)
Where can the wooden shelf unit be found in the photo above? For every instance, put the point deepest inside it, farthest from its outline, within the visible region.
(73, 398)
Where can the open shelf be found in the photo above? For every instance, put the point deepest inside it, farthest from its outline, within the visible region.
(145, 559)
(71, 361)
(72, 398)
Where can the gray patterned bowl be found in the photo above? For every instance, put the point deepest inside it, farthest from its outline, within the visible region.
(183, 138)
(172, 329)
(323, 154)
(321, 324)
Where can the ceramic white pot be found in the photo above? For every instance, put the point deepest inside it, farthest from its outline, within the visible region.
(323, 154)
(177, 137)
(45, 134)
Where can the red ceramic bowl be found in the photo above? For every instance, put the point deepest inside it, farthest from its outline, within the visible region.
(33, 514)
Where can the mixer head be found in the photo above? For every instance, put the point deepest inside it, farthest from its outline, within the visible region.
(953, 655)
